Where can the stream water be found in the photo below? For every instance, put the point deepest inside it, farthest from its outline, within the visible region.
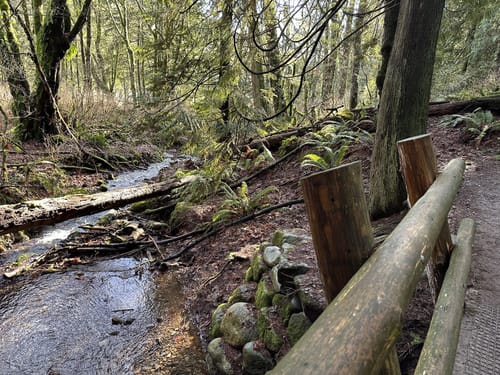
(90, 319)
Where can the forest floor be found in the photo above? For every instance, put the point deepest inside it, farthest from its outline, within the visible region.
(208, 277)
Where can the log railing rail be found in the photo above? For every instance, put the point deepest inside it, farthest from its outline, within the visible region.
(358, 330)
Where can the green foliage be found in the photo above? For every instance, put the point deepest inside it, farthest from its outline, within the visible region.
(331, 144)
(288, 144)
(240, 202)
(253, 162)
(208, 179)
(328, 159)
(479, 123)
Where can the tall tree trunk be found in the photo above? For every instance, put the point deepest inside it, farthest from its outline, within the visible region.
(390, 22)
(357, 55)
(123, 31)
(225, 62)
(275, 80)
(330, 67)
(256, 63)
(345, 52)
(12, 66)
(53, 45)
(53, 41)
(405, 97)
(88, 54)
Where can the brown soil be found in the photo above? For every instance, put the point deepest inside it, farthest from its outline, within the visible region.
(208, 277)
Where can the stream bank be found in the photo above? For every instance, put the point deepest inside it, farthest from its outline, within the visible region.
(108, 316)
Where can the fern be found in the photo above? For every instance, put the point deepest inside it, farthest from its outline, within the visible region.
(329, 159)
(240, 202)
(478, 122)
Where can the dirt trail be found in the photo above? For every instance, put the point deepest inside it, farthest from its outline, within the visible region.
(479, 198)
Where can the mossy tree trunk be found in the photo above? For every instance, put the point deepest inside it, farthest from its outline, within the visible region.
(36, 111)
(404, 101)
(10, 60)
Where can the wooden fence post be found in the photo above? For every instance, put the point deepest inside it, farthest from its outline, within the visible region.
(419, 169)
(359, 328)
(340, 224)
(341, 231)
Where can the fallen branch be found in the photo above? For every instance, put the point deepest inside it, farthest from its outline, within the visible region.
(270, 166)
(243, 219)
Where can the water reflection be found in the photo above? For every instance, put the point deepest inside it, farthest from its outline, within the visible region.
(90, 320)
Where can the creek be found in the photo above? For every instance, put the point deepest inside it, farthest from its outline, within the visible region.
(89, 319)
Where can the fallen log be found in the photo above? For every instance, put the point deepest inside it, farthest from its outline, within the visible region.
(31, 214)
(491, 103)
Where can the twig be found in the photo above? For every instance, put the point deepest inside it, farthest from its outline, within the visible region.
(243, 219)
(214, 277)
(270, 166)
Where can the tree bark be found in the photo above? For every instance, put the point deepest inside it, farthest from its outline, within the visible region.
(419, 168)
(357, 57)
(340, 225)
(404, 102)
(390, 23)
(10, 60)
(16, 217)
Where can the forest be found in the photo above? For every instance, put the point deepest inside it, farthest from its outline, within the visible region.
(245, 98)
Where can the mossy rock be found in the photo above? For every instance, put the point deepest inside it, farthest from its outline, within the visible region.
(222, 359)
(239, 324)
(283, 306)
(298, 324)
(142, 205)
(256, 358)
(278, 238)
(258, 267)
(311, 296)
(217, 316)
(108, 218)
(296, 236)
(264, 294)
(249, 275)
(271, 329)
(243, 293)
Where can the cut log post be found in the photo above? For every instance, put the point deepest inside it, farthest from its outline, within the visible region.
(341, 230)
(31, 214)
(340, 224)
(419, 168)
(359, 328)
(438, 354)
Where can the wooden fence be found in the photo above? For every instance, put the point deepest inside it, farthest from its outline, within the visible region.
(357, 331)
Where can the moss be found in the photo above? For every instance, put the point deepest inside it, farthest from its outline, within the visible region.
(283, 306)
(278, 238)
(270, 329)
(264, 294)
(142, 205)
(217, 316)
(258, 267)
(249, 274)
(297, 326)
(243, 293)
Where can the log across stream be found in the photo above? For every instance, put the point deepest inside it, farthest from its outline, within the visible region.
(90, 319)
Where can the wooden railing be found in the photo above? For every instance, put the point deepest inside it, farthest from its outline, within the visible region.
(357, 331)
